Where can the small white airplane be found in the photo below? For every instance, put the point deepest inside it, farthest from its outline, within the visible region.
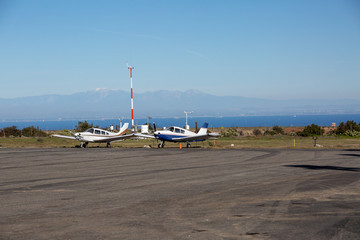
(97, 135)
(177, 134)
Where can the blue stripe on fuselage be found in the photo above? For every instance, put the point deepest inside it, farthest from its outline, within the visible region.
(169, 138)
(165, 137)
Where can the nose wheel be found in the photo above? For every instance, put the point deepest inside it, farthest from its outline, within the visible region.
(188, 145)
(161, 145)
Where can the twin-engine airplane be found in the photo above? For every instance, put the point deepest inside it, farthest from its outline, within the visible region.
(177, 134)
(97, 135)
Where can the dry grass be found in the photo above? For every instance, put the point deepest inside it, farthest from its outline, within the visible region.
(283, 142)
(288, 142)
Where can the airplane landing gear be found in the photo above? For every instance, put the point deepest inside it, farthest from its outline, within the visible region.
(188, 145)
(84, 145)
(108, 145)
(161, 145)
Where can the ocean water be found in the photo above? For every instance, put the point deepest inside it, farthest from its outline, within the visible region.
(244, 121)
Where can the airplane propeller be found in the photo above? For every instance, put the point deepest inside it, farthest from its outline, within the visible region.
(155, 131)
(77, 136)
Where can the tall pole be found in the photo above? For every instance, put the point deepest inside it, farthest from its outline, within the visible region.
(120, 120)
(132, 100)
(186, 122)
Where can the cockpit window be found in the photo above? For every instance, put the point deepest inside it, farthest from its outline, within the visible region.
(171, 129)
(183, 131)
(91, 130)
(97, 131)
(177, 130)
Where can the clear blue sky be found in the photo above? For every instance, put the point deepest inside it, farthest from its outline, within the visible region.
(264, 49)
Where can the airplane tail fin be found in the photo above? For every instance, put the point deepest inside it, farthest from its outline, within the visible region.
(123, 129)
(203, 129)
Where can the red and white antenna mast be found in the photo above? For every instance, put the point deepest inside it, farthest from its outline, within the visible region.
(132, 98)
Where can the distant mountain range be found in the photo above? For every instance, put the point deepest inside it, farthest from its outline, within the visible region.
(102, 103)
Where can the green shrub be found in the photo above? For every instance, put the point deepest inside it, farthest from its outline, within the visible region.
(269, 132)
(257, 132)
(275, 130)
(278, 130)
(312, 130)
(230, 132)
(83, 126)
(352, 133)
(10, 131)
(33, 132)
(347, 128)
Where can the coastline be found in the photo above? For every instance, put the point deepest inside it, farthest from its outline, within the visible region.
(214, 122)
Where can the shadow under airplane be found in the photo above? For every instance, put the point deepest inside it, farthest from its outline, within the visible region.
(350, 154)
(315, 167)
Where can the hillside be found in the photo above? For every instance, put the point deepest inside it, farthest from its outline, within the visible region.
(113, 103)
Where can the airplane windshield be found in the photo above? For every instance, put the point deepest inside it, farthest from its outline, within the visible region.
(171, 129)
(91, 130)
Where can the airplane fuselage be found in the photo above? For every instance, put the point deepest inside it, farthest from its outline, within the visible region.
(98, 135)
(95, 135)
(174, 134)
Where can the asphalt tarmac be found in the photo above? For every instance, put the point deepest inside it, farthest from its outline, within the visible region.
(100, 193)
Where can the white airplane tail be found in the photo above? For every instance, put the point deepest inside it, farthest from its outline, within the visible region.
(203, 129)
(123, 129)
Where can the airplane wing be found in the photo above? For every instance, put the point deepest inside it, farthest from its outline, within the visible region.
(140, 135)
(115, 138)
(62, 136)
(213, 135)
(197, 137)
